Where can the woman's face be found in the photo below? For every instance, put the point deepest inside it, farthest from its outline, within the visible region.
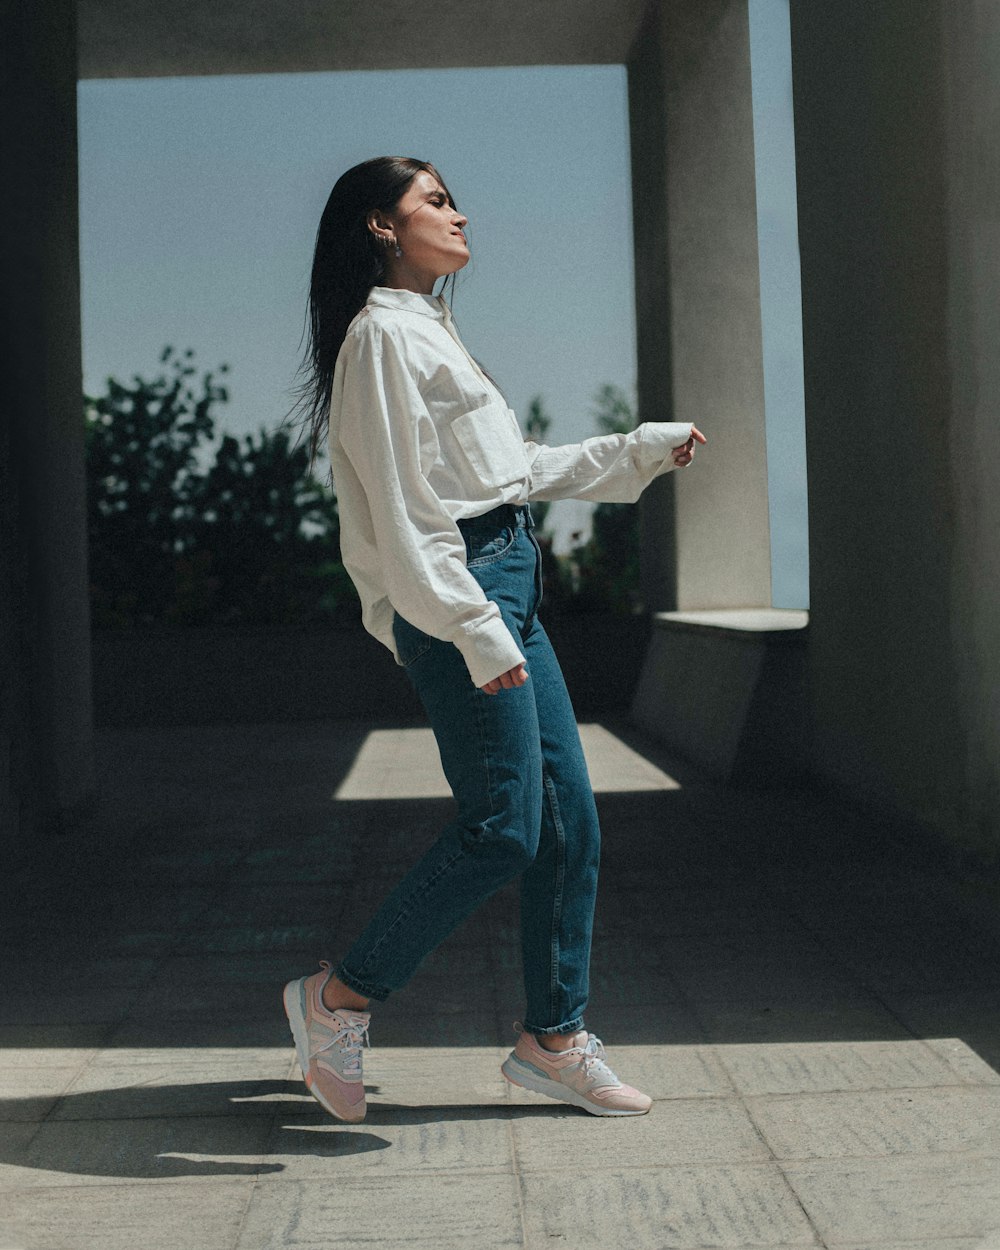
(429, 229)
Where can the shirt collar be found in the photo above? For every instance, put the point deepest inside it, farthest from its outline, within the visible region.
(409, 301)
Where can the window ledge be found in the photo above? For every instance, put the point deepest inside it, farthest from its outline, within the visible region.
(737, 622)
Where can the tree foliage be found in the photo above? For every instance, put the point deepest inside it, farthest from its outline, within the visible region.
(251, 539)
(612, 411)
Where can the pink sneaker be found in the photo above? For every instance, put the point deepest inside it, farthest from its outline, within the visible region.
(578, 1075)
(328, 1045)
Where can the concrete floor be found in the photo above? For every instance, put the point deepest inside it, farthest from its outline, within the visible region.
(813, 1002)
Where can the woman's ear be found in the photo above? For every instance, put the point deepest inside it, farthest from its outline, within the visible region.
(379, 226)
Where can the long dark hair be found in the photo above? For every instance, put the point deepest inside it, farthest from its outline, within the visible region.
(347, 262)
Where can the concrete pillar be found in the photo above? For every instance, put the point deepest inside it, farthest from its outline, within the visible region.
(972, 127)
(698, 302)
(898, 186)
(46, 724)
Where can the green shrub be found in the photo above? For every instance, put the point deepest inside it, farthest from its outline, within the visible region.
(251, 539)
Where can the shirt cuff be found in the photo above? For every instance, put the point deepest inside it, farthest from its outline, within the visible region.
(489, 650)
(660, 439)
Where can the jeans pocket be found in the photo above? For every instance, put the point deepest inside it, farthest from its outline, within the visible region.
(488, 546)
(411, 643)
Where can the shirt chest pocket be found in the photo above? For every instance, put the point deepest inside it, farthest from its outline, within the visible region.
(490, 445)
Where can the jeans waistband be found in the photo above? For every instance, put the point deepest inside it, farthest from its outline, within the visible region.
(504, 514)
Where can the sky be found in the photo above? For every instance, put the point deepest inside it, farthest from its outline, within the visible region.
(200, 199)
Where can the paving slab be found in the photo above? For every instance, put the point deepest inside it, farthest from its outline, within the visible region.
(938, 955)
(391, 1141)
(673, 1208)
(440, 1211)
(398, 1025)
(676, 1131)
(880, 1123)
(177, 1000)
(926, 1196)
(963, 1061)
(58, 1045)
(935, 1243)
(441, 1076)
(646, 1023)
(854, 1015)
(790, 1067)
(727, 968)
(641, 911)
(90, 1152)
(96, 1004)
(16, 1137)
(228, 975)
(171, 1088)
(31, 971)
(203, 1054)
(971, 1014)
(243, 1034)
(207, 1215)
(31, 1093)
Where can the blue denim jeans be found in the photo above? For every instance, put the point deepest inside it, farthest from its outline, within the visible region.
(525, 803)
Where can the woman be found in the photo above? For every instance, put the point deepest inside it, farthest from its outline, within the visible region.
(433, 481)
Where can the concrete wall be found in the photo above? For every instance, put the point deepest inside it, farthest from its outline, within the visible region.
(897, 168)
(725, 691)
(45, 730)
(147, 38)
(698, 302)
(219, 675)
(972, 125)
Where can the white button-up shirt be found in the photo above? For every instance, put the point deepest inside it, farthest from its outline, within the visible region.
(419, 438)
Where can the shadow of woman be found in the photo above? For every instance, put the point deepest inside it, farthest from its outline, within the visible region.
(216, 1128)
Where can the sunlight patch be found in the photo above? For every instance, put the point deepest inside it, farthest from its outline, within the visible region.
(404, 764)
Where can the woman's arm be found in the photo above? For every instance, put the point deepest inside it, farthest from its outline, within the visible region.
(421, 549)
(611, 468)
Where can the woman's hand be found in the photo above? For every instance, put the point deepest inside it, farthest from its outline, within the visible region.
(513, 677)
(685, 453)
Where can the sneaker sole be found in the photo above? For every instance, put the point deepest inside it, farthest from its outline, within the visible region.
(294, 999)
(519, 1074)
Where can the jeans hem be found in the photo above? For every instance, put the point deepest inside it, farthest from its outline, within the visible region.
(377, 992)
(574, 1026)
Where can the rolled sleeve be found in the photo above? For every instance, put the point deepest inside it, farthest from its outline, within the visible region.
(421, 551)
(609, 468)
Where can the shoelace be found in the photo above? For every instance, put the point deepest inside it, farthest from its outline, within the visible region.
(594, 1067)
(357, 1036)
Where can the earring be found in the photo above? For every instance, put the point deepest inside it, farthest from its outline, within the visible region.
(388, 241)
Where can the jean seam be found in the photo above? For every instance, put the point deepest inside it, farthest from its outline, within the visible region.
(479, 561)
(480, 710)
(423, 651)
(572, 1026)
(557, 896)
(428, 641)
(539, 574)
(378, 992)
